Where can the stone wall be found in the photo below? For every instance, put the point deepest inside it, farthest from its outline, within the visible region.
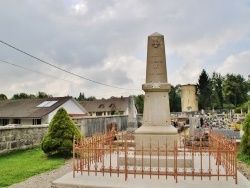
(21, 137)
(29, 136)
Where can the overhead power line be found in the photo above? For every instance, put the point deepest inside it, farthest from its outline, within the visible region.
(63, 69)
(28, 69)
(35, 71)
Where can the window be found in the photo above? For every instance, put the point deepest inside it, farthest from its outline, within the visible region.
(17, 121)
(46, 104)
(112, 106)
(98, 113)
(37, 121)
(5, 121)
(101, 106)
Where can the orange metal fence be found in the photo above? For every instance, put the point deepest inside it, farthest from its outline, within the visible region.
(100, 154)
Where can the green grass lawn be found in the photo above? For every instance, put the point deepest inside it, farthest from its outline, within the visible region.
(243, 158)
(18, 166)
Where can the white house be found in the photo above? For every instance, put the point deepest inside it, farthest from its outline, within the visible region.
(37, 111)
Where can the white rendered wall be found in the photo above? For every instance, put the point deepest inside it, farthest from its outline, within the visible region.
(189, 101)
(70, 107)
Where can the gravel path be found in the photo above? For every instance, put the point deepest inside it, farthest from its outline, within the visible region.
(44, 180)
(244, 169)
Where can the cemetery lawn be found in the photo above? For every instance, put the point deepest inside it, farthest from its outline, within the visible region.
(18, 166)
(244, 164)
(244, 158)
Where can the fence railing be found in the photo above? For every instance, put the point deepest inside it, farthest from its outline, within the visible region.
(103, 154)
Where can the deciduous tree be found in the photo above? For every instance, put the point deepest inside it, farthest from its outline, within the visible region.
(3, 97)
(235, 89)
(83, 98)
(41, 95)
(217, 92)
(139, 103)
(175, 99)
(20, 96)
(31, 96)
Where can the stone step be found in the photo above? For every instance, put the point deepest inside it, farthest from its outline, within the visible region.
(155, 161)
(130, 143)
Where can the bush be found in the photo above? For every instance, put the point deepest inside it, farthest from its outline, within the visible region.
(243, 108)
(245, 140)
(59, 139)
(237, 110)
(237, 127)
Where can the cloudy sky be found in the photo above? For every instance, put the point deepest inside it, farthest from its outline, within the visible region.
(99, 46)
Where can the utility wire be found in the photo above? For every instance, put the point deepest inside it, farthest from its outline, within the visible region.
(62, 69)
(35, 71)
(52, 76)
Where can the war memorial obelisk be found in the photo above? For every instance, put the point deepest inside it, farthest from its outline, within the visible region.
(156, 124)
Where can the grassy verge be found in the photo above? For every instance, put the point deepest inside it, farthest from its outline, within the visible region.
(243, 158)
(18, 166)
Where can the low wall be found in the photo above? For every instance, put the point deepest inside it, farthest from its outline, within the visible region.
(93, 125)
(21, 137)
(28, 136)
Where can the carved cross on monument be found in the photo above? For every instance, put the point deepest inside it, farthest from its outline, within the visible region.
(156, 124)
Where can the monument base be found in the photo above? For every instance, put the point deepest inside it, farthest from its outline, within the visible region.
(150, 138)
(155, 161)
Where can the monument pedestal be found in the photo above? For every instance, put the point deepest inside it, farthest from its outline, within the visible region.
(151, 137)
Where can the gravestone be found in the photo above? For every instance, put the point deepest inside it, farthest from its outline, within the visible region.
(156, 124)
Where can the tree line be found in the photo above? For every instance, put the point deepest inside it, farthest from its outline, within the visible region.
(222, 92)
(214, 92)
(39, 95)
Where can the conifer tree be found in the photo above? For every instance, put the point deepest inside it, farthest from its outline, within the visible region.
(204, 91)
(59, 139)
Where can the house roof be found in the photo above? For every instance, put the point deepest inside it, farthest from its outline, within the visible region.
(28, 108)
(107, 105)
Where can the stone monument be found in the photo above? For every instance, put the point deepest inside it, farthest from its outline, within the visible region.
(156, 124)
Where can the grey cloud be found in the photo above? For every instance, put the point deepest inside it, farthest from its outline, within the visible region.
(81, 42)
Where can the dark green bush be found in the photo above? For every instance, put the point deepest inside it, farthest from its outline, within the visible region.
(245, 140)
(59, 139)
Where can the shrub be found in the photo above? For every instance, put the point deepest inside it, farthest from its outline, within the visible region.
(245, 140)
(243, 108)
(59, 139)
(237, 110)
(237, 127)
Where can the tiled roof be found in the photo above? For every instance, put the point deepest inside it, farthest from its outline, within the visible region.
(106, 105)
(27, 108)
